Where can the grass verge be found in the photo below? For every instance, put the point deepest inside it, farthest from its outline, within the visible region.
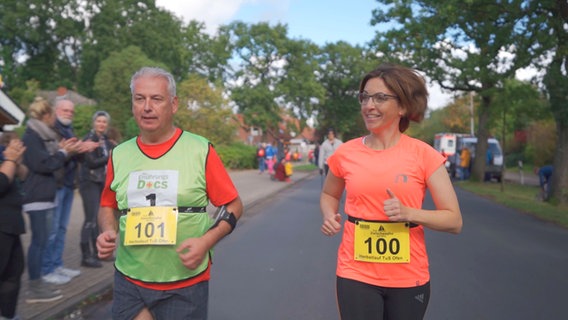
(305, 167)
(519, 197)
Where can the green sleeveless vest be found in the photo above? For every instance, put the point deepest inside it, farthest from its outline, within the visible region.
(175, 179)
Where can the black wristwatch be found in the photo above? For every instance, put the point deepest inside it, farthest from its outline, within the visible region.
(223, 215)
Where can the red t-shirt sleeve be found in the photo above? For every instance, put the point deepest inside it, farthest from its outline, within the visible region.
(108, 197)
(220, 188)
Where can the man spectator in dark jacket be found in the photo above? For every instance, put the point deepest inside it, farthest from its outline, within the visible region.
(52, 269)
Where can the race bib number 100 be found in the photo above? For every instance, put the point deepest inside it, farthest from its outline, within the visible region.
(151, 226)
(382, 242)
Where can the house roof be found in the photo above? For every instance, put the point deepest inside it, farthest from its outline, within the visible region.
(63, 92)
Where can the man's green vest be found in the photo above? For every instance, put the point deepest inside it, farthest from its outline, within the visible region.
(176, 179)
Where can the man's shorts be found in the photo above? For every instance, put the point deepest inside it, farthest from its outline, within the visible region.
(185, 303)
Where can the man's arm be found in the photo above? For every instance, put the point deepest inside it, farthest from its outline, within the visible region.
(108, 225)
(192, 251)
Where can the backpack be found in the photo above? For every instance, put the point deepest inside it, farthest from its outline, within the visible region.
(260, 152)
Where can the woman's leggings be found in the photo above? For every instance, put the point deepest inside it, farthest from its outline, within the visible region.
(91, 196)
(361, 301)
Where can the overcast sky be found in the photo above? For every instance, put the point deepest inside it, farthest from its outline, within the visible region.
(321, 21)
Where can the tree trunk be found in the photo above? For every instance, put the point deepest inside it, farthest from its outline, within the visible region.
(559, 187)
(478, 167)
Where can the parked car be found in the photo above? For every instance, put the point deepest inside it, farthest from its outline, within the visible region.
(494, 156)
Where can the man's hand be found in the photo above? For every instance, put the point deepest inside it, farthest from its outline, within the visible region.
(88, 146)
(106, 244)
(192, 252)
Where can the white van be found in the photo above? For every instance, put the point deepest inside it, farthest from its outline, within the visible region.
(494, 156)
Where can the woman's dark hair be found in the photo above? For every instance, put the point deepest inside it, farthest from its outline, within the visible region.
(408, 86)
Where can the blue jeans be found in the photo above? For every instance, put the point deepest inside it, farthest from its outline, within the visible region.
(185, 303)
(41, 222)
(53, 256)
(261, 164)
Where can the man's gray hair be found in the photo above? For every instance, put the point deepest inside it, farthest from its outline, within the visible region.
(155, 72)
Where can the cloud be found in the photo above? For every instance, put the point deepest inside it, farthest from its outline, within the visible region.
(219, 12)
(212, 13)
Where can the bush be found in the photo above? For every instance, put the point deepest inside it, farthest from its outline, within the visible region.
(238, 156)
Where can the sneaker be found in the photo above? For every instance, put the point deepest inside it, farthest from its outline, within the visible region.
(55, 278)
(91, 262)
(70, 273)
(40, 292)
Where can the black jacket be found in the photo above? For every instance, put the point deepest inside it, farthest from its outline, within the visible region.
(40, 185)
(93, 164)
(11, 219)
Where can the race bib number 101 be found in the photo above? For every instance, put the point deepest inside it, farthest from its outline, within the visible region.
(382, 242)
(151, 226)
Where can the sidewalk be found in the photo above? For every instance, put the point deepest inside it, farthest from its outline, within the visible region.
(528, 179)
(252, 187)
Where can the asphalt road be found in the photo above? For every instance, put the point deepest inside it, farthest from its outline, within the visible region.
(277, 265)
(504, 265)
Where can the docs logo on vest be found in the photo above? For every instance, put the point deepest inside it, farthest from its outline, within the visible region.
(150, 181)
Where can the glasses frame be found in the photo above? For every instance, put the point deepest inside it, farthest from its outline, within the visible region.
(377, 98)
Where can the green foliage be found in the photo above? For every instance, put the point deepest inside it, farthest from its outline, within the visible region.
(82, 120)
(259, 51)
(117, 24)
(342, 67)
(542, 142)
(25, 96)
(300, 88)
(131, 129)
(204, 111)
(37, 30)
(237, 156)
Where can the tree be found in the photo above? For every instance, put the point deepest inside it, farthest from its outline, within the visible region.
(259, 55)
(342, 66)
(300, 88)
(552, 18)
(39, 41)
(204, 111)
(516, 108)
(470, 46)
(117, 24)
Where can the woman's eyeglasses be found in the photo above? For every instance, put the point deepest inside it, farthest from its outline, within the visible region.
(377, 98)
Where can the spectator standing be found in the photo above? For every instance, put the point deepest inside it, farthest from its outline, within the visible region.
(465, 158)
(316, 154)
(281, 173)
(92, 174)
(45, 155)
(52, 269)
(544, 175)
(12, 172)
(165, 176)
(327, 148)
(260, 154)
(270, 158)
(386, 174)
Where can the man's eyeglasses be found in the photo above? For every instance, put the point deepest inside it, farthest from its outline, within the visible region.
(377, 98)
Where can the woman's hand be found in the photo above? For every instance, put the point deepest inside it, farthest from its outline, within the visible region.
(331, 225)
